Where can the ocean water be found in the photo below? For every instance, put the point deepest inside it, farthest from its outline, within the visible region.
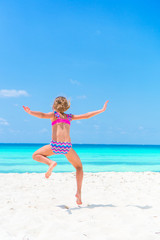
(17, 158)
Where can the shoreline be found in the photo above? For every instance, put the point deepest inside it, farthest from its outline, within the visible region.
(116, 205)
(85, 172)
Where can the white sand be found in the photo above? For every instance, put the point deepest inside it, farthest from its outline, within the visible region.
(115, 206)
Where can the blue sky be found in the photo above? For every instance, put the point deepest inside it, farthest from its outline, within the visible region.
(90, 52)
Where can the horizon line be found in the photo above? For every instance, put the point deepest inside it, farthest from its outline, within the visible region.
(95, 144)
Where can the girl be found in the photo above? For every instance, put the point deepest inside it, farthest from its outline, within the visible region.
(61, 141)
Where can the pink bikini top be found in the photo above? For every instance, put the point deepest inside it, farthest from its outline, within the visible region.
(68, 120)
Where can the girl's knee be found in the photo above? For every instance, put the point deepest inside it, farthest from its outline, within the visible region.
(79, 168)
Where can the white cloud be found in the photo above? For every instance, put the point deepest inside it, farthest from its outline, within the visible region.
(75, 82)
(43, 130)
(78, 122)
(13, 93)
(96, 126)
(123, 132)
(98, 32)
(14, 131)
(81, 97)
(141, 128)
(3, 122)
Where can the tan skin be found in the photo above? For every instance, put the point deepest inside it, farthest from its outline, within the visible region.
(61, 133)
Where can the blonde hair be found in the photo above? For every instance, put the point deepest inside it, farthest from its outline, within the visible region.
(61, 104)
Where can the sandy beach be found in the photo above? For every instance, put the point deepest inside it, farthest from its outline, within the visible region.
(115, 206)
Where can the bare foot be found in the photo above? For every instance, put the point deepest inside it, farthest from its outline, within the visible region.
(48, 173)
(78, 201)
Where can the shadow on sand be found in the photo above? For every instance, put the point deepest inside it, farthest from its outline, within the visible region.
(69, 210)
(91, 206)
(141, 207)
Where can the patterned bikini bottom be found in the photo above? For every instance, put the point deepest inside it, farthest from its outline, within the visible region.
(60, 147)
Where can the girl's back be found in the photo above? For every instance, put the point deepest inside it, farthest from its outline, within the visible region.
(61, 127)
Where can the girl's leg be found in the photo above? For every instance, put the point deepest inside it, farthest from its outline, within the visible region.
(74, 159)
(41, 156)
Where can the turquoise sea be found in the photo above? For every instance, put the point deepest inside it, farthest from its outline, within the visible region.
(17, 158)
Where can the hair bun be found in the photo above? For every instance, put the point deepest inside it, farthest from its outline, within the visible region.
(61, 104)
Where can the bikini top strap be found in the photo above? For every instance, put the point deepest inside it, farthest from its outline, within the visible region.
(69, 116)
(56, 114)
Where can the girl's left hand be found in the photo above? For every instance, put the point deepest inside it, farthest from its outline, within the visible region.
(27, 109)
(105, 105)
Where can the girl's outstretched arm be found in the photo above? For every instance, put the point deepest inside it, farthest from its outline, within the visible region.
(90, 114)
(39, 114)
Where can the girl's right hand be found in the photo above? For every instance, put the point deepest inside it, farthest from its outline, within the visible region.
(27, 109)
(105, 105)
